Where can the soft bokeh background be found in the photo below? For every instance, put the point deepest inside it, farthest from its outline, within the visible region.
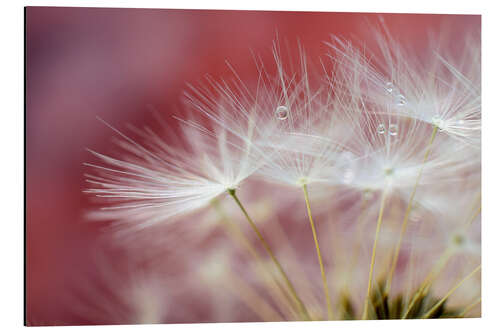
(118, 64)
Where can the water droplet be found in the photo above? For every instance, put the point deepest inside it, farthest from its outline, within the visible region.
(393, 129)
(281, 112)
(389, 87)
(401, 100)
(381, 129)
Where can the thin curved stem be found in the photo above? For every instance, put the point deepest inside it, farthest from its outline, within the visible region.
(293, 262)
(452, 290)
(360, 224)
(429, 279)
(408, 211)
(252, 299)
(437, 268)
(374, 250)
(236, 234)
(266, 246)
(470, 307)
(318, 252)
(473, 217)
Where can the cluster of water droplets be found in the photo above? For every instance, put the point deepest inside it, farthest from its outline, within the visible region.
(389, 87)
(392, 129)
(398, 98)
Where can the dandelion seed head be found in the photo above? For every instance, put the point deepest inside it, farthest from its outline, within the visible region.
(441, 90)
(152, 182)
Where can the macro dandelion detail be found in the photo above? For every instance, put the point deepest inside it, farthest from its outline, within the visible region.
(340, 187)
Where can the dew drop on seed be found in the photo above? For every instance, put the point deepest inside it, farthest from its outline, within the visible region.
(381, 129)
(393, 129)
(281, 112)
(389, 87)
(401, 100)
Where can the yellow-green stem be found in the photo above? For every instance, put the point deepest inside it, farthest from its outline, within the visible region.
(318, 252)
(438, 267)
(233, 230)
(429, 279)
(470, 307)
(476, 213)
(360, 224)
(293, 262)
(300, 304)
(252, 299)
(239, 238)
(407, 213)
(374, 250)
(452, 290)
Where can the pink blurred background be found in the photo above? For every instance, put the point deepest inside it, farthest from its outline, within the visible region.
(116, 64)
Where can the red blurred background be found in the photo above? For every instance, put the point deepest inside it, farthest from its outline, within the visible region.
(84, 63)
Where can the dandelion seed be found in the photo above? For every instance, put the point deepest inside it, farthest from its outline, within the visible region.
(152, 182)
(452, 92)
